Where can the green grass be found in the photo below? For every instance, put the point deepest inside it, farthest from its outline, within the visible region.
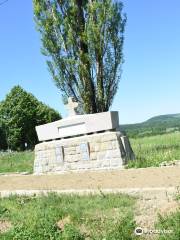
(91, 217)
(94, 217)
(151, 151)
(169, 223)
(16, 161)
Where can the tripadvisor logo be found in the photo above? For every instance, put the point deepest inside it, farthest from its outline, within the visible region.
(138, 231)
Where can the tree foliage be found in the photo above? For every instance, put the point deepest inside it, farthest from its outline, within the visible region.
(83, 41)
(20, 112)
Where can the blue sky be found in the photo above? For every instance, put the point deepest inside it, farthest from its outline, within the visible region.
(150, 83)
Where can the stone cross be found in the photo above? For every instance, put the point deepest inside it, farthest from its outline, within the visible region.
(72, 106)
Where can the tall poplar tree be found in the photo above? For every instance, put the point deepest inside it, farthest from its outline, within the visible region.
(83, 42)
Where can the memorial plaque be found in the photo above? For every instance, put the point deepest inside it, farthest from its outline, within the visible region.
(59, 155)
(84, 147)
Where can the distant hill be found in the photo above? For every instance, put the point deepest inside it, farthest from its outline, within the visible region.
(153, 126)
(165, 118)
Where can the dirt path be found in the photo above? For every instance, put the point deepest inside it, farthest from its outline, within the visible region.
(164, 177)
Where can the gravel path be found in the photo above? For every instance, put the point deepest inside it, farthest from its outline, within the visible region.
(164, 177)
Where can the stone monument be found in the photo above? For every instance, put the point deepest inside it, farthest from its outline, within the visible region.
(81, 142)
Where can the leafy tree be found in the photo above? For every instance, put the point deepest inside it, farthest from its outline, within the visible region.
(20, 113)
(83, 41)
(45, 114)
(3, 142)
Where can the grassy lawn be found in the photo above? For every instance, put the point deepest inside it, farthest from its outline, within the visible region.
(53, 217)
(151, 151)
(73, 217)
(16, 161)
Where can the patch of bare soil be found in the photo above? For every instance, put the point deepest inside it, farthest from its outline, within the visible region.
(62, 223)
(150, 204)
(5, 226)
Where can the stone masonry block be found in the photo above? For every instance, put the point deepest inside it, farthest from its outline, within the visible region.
(104, 153)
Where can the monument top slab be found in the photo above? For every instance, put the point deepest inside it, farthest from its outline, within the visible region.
(78, 125)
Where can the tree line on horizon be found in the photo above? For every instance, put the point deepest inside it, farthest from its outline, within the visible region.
(158, 125)
(20, 113)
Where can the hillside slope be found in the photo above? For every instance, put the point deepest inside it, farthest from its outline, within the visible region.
(153, 126)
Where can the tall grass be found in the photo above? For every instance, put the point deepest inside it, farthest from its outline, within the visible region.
(16, 161)
(151, 151)
(107, 217)
(169, 224)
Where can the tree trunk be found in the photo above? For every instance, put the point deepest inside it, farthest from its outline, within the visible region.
(89, 89)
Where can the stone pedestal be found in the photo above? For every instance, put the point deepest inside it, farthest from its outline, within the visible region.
(107, 150)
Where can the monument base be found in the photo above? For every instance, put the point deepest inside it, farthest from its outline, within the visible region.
(107, 150)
